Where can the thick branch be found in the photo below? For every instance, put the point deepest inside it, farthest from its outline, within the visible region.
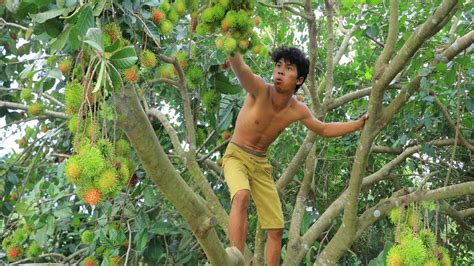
(170, 130)
(11, 105)
(457, 47)
(389, 46)
(373, 214)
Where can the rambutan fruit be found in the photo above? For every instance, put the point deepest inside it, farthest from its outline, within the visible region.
(218, 12)
(73, 97)
(131, 74)
(257, 20)
(13, 253)
(229, 45)
(395, 215)
(394, 257)
(444, 258)
(123, 169)
(106, 148)
(89, 261)
(20, 235)
(413, 250)
(87, 237)
(192, 5)
(92, 130)
(36, 109)
(157, 15)
(26, 95)
(91, 161)
(180, 7)
(182, 58)
(166, 27)
(256, 49)
(165, 6)
(122, 148)
(115, 261)
(107, 181)
(219, 42)
(148, 59)
(428, 238)
(211, 100)
(34, 250)
(224, 3)
(166, 71)
(201, 29)
(73, 124)
(244, 44)
(413, 218)
(64, 66)
(173, 16)
(243, 20)
(207, 15)
(194, 74)
(72, 169)
(92, 196)
(113, 32)
(431, 262)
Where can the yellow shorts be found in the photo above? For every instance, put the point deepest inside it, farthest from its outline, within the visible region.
(243, 170)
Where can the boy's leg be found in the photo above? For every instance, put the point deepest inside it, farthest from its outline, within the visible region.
(238, 219)
(274, 246)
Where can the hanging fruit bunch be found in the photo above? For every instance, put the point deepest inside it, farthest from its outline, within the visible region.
(167, 15)
(415, 243)
(235, 20)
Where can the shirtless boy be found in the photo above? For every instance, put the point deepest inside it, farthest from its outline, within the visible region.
(267, 111)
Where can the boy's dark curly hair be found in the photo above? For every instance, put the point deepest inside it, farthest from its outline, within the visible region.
(294, 56)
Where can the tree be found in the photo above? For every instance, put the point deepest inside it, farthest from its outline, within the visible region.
(148, 74)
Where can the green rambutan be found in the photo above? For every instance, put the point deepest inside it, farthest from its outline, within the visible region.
(106, 148)
(36, 109)
(107, 181)
(218, 12)
(72, 169)
(148, 59)
(194, 74)
(20, 235)
(413, 250)
(73, 123)
(201, 29)
(443, 256)
(166, 27)
(123, 168)
(192, 5)
(182, 58)
(207, 15)
(173, 16)
(180, 7)
(26, 95)
(91, 161)
(89, 261)
(394, 215)
(428, 238)
(229, 45)
(73, 96)
(166, 71)
(224, 3)
(113, 32)
(165, 6)
(87, 237)
(394, 256)
(243, 20)
(211, 100)
(244, 44)
(431, 262)
(122, 148)
(34, 250)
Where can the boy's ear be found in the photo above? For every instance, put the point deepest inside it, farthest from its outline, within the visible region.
(300, 80)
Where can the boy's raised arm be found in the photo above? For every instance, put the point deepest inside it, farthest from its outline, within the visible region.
(252, 83)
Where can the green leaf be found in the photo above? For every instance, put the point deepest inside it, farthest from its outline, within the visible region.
(94, 39)
(22, 208)
(99, 7)
(424, 71)
(124, 58)
(85, 20)
(141, 240)
(58, 43)
(100, 78)
(162, 228)
(372, 32)
(65, 212)
(373, 2)
(155, 32)
(42, 17)
(114, 76)
(74, 38)
(150, 197)
(223, 85)
(347, 3)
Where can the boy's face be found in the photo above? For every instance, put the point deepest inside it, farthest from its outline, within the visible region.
(285, 76)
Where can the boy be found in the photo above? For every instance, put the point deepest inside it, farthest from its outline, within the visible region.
(268, 109)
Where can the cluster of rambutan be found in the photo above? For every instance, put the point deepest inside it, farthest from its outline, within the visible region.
(414, 246)
(167, 15)
(18, 242)
(99, 170)
(235, 20)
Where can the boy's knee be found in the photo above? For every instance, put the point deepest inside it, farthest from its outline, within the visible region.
(241, 199)
(275, 233)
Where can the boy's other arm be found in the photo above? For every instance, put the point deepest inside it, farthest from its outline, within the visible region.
(252, 83)
(335, 129)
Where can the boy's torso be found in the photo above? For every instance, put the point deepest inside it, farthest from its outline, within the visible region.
(258, 124)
